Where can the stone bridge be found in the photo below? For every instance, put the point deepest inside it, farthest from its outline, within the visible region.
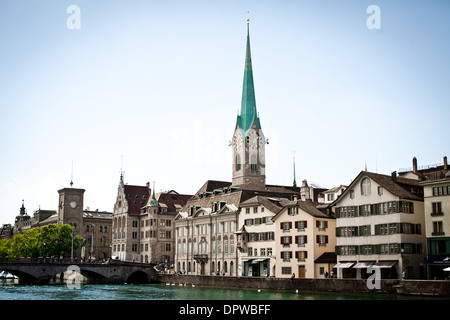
(42, 270)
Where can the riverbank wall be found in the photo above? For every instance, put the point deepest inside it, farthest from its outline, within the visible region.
(403, 287)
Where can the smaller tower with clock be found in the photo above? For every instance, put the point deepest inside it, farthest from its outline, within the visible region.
(70, 207)
(248, 139)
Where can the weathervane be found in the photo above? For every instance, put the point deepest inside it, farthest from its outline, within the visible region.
(71, 176)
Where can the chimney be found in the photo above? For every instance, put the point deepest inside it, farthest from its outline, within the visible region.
(414, 164)
(394, 176)
(445, 162)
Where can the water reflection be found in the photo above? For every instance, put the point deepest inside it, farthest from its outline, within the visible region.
(59, 291)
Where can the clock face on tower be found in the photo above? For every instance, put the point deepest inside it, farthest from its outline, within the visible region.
(73, 204)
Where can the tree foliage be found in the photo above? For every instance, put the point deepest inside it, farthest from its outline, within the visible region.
(47, 241)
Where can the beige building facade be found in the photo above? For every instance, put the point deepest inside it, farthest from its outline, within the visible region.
(303, 234)
(143, 224)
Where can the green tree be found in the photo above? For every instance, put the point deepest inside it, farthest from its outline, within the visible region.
(50, 240)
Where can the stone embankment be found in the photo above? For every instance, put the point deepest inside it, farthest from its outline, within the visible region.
(404, 287)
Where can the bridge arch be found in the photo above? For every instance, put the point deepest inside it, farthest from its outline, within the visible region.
(138, 277)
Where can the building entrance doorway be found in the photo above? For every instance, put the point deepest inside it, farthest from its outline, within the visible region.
(301, 271)
(202, 269)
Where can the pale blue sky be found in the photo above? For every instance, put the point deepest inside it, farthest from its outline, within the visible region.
(160, 83)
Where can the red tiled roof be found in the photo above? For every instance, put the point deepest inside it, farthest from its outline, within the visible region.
(137, 197)
(171, 199)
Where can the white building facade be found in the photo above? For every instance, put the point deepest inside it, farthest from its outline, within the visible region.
(380, 222)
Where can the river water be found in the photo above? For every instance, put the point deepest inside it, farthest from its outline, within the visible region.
(10, 290)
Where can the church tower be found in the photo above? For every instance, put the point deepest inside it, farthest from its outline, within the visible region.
(248, 139)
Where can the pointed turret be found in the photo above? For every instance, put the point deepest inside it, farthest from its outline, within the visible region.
(154, 202)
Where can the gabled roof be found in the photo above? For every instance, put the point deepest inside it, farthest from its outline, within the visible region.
(402, 187)
(216, 191)
(270, 203)
(398, 186)
(306, 206)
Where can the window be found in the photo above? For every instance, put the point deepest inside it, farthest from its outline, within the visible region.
(286, 255)
(286, 226)
(437, 228)
(322, 240)
(352, 194)
(365, 187)
(436, 209)
(380, 191)
(292, 211)
(300, 241)
(321, 225)
(286, 241)
(364, 230)
(301, 255)
(286, 270)
(253, 165)
(300, 225)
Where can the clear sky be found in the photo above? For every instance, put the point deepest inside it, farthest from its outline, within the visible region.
(159, 84)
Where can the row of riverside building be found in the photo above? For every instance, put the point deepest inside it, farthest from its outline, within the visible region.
(246, 227)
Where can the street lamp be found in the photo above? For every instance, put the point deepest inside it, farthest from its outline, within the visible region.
(71, 255)
(92, 241)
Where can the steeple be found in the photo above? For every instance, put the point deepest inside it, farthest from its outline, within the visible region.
(248, 139)
(23, 211)
(248, 102)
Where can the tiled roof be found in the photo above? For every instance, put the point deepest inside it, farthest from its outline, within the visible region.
(137, 197)
(308, 206)
(270, 203)
(215, 191)
(402, 187)
(173, 201)
(97, 215)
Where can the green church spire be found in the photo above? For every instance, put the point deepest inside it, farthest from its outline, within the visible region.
(248, 103)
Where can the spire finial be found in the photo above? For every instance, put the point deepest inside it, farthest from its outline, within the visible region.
(121, 168)
(71, 176)
(248, 19)
(295, 182)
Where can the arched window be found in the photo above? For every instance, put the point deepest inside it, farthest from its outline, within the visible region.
(365, 187)
(253, 163)
(238, 162)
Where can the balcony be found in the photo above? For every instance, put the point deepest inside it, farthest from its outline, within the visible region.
(437, 214)
(201, 258)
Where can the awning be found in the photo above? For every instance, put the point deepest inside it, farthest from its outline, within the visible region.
(438, 260)
(447, 269)
(259, 260)
(385, 264)
(361, 265)
(344, 265)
